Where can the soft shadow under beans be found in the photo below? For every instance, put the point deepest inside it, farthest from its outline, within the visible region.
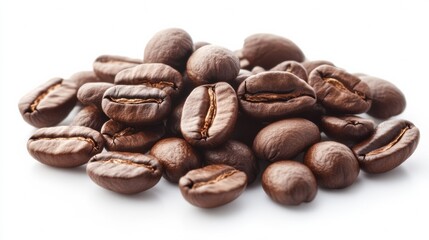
(45, 170)
(398, 173)
(229, 209)
(356, 186)
(303, 207)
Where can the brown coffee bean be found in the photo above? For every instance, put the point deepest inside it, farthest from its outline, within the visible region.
(347, 127)
(285, 139)
(210, 64)
(292, 67)
(176, 156)
(333, 164)
(80, 78)
(243, 74)
(258, 69)
(311, 65)
(198, 45)
(126, 173)
(107, 66)
(173, 122)
(90, 116)
(65, 146)
(339, 91)
(393, 142)
(209, 115)
(212, 186)
(289, 183)
(92, 93)
(49, 103)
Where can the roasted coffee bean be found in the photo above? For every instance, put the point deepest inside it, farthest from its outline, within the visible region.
(92, 93)
(171, 46)
(339, 91)
(272, 95)
(268, 50)
(122, 172)
(173, 122)
(65, 146)
(210, 64)
(212, 186)
(242, 75)
(156, 75)
(49, 103)
(200, 44)
(176, 156)
(258, 69)
(136, 105)
(289, 183)
(80, 78)
(90, 116)
(333, 164)
(235, 154)
(107, 66)
(209, 115)
(122, 138)
(347, 127)
(311, 65)
(292, 67)
(285, 139)
(393, 142)
(387, 99)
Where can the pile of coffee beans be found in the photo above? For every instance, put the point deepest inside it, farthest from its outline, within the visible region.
(212, 120)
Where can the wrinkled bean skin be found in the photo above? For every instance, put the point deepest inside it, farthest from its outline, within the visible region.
(347, 127)
(242, 75)
(292, 67)
(92, 93)
(393, 142)
(89, 116)
(107, 66)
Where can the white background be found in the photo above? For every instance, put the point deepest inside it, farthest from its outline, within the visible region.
(43, 39)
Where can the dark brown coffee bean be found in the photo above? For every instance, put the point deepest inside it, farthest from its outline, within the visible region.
(49, 103)
(258, 69)
(268, 50)
(65, 146)
(126, 173)
(242, 75)
(198, 45)
(171, 46)
(234, 154)
(289, 183)
(122, 138)
(92, 93)
(292, 67)
(347, 127)
(136, 105)
(176, 156)
(107, 66)
(90, 116)
(173, 122)
(80, 78)
(272, 95)
(311, 65)
(210, 64)
(393, 142)
(212, 186)
(339, 91)
(209, 115)
(387, 99)
(333, 164)
(285, 139)
(155, 75)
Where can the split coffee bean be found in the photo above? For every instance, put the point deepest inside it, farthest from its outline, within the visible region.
(347, 127)
(107, 66)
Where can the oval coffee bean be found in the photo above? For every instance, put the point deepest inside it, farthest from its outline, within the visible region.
(285, 139)
(173, 121)
(347, 127)
(122, 138)
(339, 91)
(292, 67)
(176, 156)
(80, 78)
(209, 115)
(289, 183)
(257, 69)
(92, 93)
(311, 65)
(136, 105)
(126, 173)
(156, 75)
(107, 66)
(272, 95)
(243, 74)
(212, 186)
(65, 146)
(200, 44)
(90, 116)
(49, 103)
(333, 164)
(392, 143)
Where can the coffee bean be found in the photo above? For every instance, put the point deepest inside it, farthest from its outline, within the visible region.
(311, 65)
(387, 99)
(289, 183)
(176, 156)
(258, 69)
(292, 67)
(242, 75)
(268, 50)
(173, 122)
(80, 78)
(126, 173)
(347, 127)
(234, 154)
(171, 46)
(90, 116)
(339, 91)
(210, 64)
(49, 103)
(92, 93)
(212, 186)
(333, 164)
(123, 138)
(272, 95)
(65, 146)
(209, 115)
(200, 44)
(285, 139)
(393, 142)
(107, 66)
(136, 105)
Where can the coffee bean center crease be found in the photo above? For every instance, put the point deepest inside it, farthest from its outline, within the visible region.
(36, 101)
(213, 181)
(135, 100)
(211, 113)
(391, 144)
